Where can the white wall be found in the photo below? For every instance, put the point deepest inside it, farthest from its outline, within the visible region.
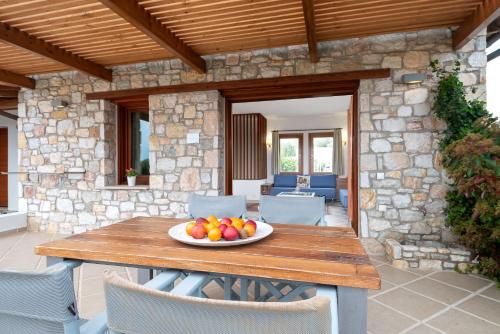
(13, 165)
(327, 122)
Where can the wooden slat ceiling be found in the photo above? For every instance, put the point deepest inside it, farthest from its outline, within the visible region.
(89, 29)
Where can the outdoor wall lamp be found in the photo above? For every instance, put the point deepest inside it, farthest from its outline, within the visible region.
(413, 78)
(59, 104)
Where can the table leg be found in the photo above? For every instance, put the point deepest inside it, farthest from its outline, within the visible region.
(352, 306)
(144, 275)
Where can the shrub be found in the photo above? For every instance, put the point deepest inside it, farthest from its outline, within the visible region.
(471, 149)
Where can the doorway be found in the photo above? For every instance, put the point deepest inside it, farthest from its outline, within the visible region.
(343, 88)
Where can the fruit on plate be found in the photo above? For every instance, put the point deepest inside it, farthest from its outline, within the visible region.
(242, 233)
(189, 227)
(249, 229)
(230, 233)
(223, 227)
(201, 220)
(198, 231)
(251, 222)
(226, 228)
(215, 234)
(212, 219)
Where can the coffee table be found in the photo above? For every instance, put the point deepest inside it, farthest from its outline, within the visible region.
(296, 194)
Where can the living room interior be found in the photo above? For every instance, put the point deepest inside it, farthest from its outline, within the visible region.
(293, 147)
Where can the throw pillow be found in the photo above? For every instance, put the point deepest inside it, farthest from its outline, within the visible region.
(303, 181)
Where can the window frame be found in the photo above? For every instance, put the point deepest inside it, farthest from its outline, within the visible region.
(313, 135)
(300, 137)
(124, 146)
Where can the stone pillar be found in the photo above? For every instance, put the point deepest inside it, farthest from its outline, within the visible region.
(177, 167)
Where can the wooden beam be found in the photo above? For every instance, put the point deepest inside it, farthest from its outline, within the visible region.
(308, 8)
(8, 115)
(136, 15)
(241, 84)
(486, 13)
(8, 104)
(13, 79)
(23, 40)
(8, 93)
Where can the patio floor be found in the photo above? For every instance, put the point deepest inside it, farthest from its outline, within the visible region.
(410, 301)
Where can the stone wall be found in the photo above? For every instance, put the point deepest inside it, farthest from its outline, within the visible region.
(402, 184)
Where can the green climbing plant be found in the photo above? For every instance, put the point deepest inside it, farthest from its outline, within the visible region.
(470, 148)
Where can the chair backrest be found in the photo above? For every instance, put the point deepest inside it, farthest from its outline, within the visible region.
(220, 206)
(37, 302)
(292, 210)
(132, 308)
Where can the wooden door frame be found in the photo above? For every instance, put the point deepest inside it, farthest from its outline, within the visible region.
(6, 177)
(350, 88)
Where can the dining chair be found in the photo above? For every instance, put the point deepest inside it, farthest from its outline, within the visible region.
(220, 206)
(292, 210)
(43, 302)
(133, 308)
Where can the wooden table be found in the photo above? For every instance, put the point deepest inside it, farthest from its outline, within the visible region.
(330, 256)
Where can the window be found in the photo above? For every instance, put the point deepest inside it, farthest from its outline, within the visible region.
(321, 152)
(133, 144)
(291, 153)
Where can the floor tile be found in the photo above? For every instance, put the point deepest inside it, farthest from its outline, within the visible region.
(383, 320)
(457, 322)
(394, 275)
(422, 329)
(482, 307)
(384, 287)
(90, 306)
(410, 303)
(492, 292)
(463, 281)
(438, 291)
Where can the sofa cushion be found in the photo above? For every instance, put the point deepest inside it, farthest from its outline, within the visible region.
(288, 181)
(324, 181)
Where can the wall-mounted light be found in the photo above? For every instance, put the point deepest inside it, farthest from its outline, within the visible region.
(59, 104)
(413, 78)
(269, 140)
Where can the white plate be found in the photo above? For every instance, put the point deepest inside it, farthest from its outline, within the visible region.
(178, 232)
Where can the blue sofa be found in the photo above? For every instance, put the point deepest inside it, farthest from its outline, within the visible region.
(343, 197)
(321, 185)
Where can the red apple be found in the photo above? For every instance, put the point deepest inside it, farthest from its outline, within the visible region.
(223, 227)
(251, 222)
(230, 234)
(198, 231)
(226, 221)
(201, 220)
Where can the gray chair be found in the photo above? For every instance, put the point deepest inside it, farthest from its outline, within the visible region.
(220, 206)
(43, 302)
(292, 210)
(132, 308)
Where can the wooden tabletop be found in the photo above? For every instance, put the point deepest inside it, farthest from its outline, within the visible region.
(320, 255)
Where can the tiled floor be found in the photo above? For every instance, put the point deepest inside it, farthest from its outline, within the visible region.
(410, 301)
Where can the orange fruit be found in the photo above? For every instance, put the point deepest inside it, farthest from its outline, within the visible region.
(209, 227)
(212, 219)
(237, 224)
(189, 227)
(234, 219)
(250, 229)
(215, 234)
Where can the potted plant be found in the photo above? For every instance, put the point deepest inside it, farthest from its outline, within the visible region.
(131, 176)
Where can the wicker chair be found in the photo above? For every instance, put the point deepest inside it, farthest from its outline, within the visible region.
(132, 308)
(292, 210)
(220, 206)
(43, 302)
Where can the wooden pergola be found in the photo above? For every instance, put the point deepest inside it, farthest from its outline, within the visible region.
(40, 36)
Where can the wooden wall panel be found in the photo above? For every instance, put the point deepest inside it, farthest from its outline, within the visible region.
(249, 147)
(4, 164)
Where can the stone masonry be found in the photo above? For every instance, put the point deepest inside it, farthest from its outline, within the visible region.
(402, 184)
